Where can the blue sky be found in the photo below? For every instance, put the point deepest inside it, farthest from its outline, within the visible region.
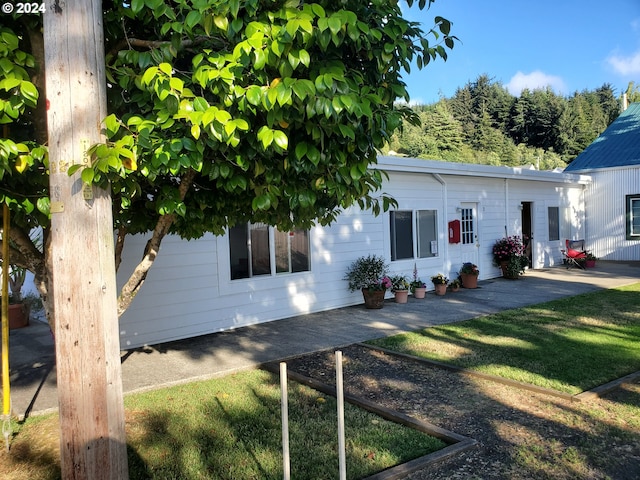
(569, 45)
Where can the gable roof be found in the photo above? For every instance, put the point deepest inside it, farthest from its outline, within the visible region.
(617, 146)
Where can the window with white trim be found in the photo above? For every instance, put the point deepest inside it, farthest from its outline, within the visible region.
(413, 234)
(257, 249)
(553, 216)
(633, 216)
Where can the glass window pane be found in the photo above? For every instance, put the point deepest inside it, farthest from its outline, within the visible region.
(635, 216)
(299, 241)
(281, 240)
(427, 233)
(467, 226)
(401, 229)
(238, 252)
(554, 223)
(260, 263)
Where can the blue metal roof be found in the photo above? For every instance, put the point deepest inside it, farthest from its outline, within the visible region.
(617, 146)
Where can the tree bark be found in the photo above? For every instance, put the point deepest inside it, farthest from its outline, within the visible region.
(91, 408)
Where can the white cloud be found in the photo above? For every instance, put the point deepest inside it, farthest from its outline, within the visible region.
(622, 65)
(533, 81)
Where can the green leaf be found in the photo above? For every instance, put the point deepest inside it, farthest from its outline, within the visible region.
(112, 124)
(301, 150)
(254, 95)
(165, 68)
(193, 18)
(281, 140)
(87, 175)
(30, 92)
(221, 22)
(137, 6)
(44, 205)
(261, 202)
(265, 135)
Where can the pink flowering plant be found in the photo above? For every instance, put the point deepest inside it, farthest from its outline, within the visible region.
(507, 248)
(368, 272)
(416, 282)
(511, 250)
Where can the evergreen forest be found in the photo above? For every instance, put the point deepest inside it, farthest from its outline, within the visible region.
(485, 124)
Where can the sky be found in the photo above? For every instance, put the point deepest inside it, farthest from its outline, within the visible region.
(568, 45)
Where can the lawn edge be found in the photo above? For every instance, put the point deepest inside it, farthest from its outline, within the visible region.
(456, 443)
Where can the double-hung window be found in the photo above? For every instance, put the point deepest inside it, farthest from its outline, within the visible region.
(413, 234)
(256, 249)
(633, 216)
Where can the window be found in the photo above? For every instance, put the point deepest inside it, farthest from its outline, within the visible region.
(427, 233)
(553, 214)
(467, 230)
(257, 249)
(633, 217)
(401, 229)
(401, 234)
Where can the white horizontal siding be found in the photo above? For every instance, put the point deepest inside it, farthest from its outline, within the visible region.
(189, 292)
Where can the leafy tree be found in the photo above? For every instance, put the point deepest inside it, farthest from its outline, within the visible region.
(221, 111)
(632, 92)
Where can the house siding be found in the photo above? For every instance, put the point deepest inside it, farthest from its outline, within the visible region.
(189, 292)
(606, 221)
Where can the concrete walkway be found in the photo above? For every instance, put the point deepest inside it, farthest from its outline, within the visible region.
(32, 358)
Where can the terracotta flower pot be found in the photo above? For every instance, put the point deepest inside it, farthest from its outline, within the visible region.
(401, 296)
(18, 316)
(440, 288)
(469, 280)
(373, 298)
(420, 292)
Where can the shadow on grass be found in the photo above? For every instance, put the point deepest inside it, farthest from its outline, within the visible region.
(570, 345)
(519, 434)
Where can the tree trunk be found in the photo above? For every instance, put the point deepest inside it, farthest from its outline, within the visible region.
(92, 434)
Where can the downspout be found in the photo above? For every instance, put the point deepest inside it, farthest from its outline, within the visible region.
(506, 207)
(446, 209)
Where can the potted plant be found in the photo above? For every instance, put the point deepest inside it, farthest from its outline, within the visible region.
(508, 254)
(418, 287)
(440, 283)
(369, 274)
(400, 288)
(469, 275)
(590, 260)
(18, 310)
(455, 285)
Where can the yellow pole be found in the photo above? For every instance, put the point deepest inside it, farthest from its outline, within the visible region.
(6, 394)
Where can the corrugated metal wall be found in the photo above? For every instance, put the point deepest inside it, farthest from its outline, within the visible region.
(605, 220)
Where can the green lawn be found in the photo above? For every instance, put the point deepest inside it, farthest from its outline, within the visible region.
(229, 428)
(569, 345)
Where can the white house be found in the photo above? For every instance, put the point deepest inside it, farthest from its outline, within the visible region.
(613, 197)
(255, 273)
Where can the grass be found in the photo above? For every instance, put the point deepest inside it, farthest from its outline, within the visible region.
(570, 345)
(229, 428)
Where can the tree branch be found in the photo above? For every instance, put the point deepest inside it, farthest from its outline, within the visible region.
(137, 278)
(122, 232)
